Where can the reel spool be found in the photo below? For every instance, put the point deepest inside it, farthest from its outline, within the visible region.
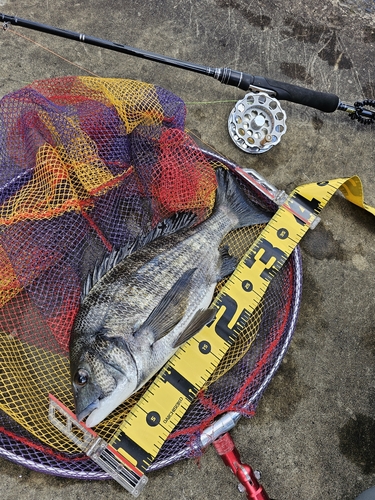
(256, 123)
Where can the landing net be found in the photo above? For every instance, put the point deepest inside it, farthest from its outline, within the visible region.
(88, 165)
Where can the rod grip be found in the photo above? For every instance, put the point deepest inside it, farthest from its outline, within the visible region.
(286, 92)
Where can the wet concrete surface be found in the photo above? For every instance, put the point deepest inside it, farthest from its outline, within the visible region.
(313, 434)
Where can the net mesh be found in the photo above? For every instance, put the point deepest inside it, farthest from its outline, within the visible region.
(87, 165)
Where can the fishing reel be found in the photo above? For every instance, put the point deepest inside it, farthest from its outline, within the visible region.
(257, 122)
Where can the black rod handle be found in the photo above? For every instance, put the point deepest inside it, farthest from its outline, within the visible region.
(312, 98)
(283, 91)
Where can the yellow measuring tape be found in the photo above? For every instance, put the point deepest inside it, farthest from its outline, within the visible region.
(149, 423)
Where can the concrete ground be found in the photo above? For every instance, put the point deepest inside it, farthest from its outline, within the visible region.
(314, 432)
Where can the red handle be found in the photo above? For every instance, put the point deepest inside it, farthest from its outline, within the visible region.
(225, 447)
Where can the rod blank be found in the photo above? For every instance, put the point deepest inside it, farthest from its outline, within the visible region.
(283, 91)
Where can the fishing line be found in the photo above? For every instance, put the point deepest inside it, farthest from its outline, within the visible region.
(13, 32)
(210, 102)
(7, 28)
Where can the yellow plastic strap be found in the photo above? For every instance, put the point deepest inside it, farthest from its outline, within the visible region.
(152, 419)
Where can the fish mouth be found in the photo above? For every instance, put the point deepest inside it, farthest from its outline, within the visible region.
(101, 408)
(88, 410)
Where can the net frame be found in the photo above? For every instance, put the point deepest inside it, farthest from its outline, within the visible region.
(19, 447)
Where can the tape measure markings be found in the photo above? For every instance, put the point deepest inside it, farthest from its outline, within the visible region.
(187, 371)
(149, 423)
(153, 418)
(131, 451)
(180, 394)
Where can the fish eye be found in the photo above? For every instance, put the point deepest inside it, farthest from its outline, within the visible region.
(81, 377)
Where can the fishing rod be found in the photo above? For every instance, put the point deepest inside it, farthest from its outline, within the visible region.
(267, 123)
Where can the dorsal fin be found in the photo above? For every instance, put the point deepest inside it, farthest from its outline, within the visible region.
(180, 220)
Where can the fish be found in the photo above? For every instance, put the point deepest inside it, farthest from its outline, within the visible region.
(145, 300)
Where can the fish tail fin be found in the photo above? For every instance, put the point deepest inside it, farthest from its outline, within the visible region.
(231, 196)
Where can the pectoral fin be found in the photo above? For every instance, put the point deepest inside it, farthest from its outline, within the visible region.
(171, 308)
(200, 319)
(228, 262)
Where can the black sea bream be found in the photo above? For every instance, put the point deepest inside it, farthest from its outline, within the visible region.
(145, 302)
